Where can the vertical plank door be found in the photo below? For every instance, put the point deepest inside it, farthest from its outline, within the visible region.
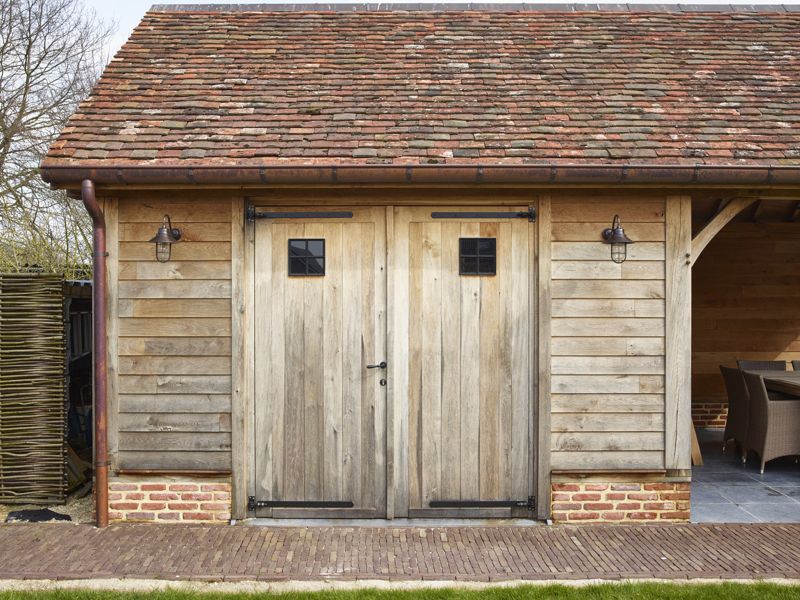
(463, 380)
(320, 413)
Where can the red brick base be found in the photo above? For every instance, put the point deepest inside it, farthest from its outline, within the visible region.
(709, 414)
(582, 502)
(169, 500)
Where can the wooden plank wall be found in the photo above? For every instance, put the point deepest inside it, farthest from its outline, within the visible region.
(174, 337)
(745, 303)
(608, 332)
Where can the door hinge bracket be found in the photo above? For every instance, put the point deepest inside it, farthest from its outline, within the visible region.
(530, 214)
(253, 504)
(529, 504)
(251, 214)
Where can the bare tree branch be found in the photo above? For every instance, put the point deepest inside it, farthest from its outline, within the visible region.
(51, 53)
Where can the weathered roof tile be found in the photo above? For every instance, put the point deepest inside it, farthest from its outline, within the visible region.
(261, 87)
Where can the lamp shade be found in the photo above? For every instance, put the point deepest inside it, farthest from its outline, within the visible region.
(615, 236)
(164, 238)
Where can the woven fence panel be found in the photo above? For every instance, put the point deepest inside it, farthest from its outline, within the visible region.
(32, 390)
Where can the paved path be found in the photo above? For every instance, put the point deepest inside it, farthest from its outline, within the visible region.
(65, 551)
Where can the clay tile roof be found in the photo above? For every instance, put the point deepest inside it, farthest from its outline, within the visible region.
(262, 85)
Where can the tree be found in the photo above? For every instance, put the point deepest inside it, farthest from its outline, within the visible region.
(51, 53)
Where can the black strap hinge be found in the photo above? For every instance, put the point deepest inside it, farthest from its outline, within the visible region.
(253, 504)
(529, 504)
(529, 214)
(252, 214)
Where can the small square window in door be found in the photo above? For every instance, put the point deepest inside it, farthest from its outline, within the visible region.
(306, 257)
(477, 256)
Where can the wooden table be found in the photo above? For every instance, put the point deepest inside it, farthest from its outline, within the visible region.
(784, 382)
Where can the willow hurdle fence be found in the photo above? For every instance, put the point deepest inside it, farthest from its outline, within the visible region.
(32, 389)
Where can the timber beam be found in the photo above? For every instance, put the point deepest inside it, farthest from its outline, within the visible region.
(725, 215)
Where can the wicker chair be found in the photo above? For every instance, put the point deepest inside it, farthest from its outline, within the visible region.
(762, 365)
(772, 424)
(796, 365)
(738, 400)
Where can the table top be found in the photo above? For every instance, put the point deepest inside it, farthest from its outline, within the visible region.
(787, 382)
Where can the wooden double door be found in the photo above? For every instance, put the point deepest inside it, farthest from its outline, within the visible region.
(393, 362)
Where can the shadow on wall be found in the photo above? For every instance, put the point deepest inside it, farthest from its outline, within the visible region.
(746, 294)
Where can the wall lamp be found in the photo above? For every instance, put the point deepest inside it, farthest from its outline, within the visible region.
(615, 236)
(166, 236)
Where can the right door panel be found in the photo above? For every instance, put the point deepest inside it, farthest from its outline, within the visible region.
(463, 323)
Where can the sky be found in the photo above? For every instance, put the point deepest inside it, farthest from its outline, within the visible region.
(127, 13)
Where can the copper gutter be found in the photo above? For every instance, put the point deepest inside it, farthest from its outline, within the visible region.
(543, 174)
(99, 353)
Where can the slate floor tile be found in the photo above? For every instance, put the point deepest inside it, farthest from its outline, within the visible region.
(774, 513)
(721, 513)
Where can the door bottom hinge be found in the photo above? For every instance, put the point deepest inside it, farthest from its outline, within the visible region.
(253, 504)
(529, 504)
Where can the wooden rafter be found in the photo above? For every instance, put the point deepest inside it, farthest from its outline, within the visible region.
(715, 225)
(795, 213)
(756, 208)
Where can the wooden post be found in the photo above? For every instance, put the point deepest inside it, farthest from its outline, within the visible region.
(678, 373)
(543, 371)
(240, 393)
(111, 211)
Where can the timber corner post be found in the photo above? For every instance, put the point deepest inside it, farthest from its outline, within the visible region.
(242, 356)
(678, 342)
(543, 356)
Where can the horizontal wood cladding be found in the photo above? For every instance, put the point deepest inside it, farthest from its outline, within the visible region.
(608, 327)
(746, 294)
(174, 336)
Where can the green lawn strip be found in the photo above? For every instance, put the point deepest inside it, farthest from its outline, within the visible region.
(633, 591)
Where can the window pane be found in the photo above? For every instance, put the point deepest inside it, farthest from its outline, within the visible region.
(469, 246)
(297, 248)
(297, 266)
(469, 265)
(486, 246)
(316, 266)
(316, 248)
(487, 265)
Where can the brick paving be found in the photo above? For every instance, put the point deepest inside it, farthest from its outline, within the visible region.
(220, 553)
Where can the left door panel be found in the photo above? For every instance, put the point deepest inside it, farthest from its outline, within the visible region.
(320, 414)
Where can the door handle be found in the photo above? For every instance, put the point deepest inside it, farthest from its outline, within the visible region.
(380, 365)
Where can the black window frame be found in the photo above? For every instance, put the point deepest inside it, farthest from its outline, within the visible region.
(485, 261)
(305, 260)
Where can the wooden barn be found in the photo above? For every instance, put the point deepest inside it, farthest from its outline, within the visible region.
(359, 261)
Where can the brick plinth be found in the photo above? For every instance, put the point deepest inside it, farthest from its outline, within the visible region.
(169, 500)
(583, 502)
(709, 414)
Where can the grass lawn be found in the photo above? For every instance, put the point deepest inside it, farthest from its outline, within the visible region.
(648, 591)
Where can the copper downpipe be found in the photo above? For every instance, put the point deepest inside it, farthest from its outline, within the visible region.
(99, 353)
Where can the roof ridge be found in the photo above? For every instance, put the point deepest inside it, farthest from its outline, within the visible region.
(476, 6)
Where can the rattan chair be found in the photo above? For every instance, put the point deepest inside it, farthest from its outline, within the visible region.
(796, 365)
(773, 425)
(762, 365)
(738, 400)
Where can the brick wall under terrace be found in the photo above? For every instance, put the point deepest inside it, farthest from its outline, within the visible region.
(169, 499)
(620, 502)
